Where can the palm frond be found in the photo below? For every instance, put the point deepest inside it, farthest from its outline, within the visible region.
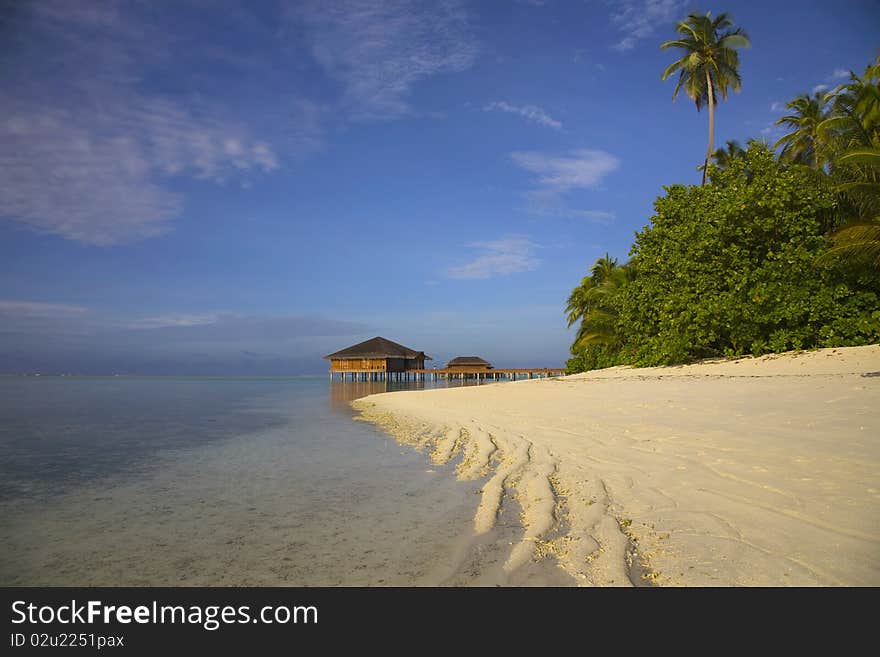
(858, 186)
(869, 156)
(672, 68)
(734, 40)
(859, 241)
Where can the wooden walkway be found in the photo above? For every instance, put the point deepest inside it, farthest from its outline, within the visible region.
(500, 374)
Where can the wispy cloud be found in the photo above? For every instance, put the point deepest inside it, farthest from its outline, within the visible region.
(166, 321)
(235, 328)
(507, 255)
(26, 319)
(639, 19)
(557, 174)
(50, 337)
(529, 112)
(88, 153)
(771, 133)
(99, 179)
(379, 49)
(600, 216)
(10, 307)
(832, 80)
(41, 318)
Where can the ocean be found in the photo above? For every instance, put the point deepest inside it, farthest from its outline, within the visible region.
(124, 481)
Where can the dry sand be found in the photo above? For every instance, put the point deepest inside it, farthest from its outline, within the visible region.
(756, 472)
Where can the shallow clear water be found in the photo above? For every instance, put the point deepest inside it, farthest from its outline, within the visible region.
(150, 481)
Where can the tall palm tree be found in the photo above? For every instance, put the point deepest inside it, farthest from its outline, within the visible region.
(710, 64)
(806, 143)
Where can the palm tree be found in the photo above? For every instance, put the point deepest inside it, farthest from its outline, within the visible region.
(581, 298)
(806, 143)
(853, 128)
(854, 117)
(589, 303)
(859, 239)
(709, 66)
(860, 169)
(724, 157)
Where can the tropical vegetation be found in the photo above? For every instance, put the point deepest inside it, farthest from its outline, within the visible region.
(777, 249)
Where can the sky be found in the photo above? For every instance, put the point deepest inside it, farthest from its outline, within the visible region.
(238, 188)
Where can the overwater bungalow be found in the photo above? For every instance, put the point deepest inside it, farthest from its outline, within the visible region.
(469, 364)
(376, 359)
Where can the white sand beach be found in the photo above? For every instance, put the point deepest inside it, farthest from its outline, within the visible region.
(755, 472)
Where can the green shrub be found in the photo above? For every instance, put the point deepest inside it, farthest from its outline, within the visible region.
(591, 357)
(729, 269)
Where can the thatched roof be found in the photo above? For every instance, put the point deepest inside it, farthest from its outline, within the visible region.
(377, 347)
(468, 360)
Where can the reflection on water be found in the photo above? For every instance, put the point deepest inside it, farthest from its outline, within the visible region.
(342, 393)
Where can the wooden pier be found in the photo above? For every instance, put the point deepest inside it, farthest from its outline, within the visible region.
(380, 359)
(479, 375)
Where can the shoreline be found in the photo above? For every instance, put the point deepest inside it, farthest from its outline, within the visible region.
(756, 472)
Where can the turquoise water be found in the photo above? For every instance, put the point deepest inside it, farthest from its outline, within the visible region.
(167, 481)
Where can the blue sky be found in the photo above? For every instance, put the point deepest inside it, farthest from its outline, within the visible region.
(241, 187)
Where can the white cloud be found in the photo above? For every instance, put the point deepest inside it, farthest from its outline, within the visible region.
(87, 154)
(771, 133)
(528, 112)
(378, 50)
(97, 178)
(39, 309)
(27, 319)
(35, 318)
(776, 106)
(507, 255)
(639, 19)
(230, 327)
(166, 321)
(840, 74)
(819, 88)
(582, 168)
(601, 216)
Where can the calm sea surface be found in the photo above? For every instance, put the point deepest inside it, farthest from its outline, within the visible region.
(175, 481)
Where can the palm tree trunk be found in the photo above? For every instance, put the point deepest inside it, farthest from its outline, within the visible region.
(711, 126)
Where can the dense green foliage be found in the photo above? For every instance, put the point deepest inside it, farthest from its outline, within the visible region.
(729, 269)
(776, 253)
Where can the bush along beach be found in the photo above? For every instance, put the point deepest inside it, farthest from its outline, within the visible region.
(779, 249)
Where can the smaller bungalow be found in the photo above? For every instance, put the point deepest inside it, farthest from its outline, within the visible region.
(470, 364)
